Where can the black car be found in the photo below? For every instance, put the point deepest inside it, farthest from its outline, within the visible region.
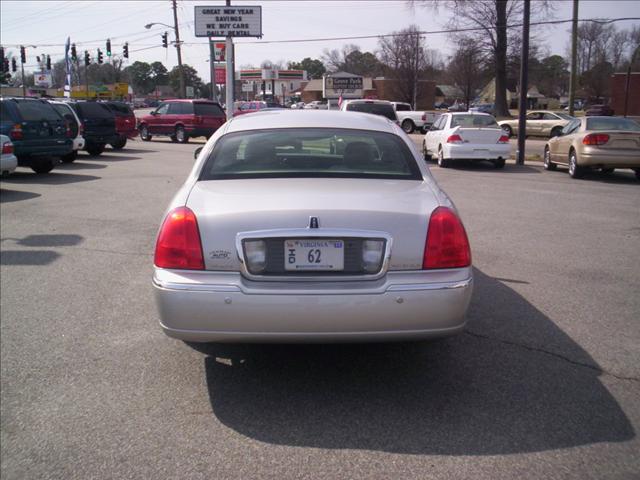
(99, 125)
(40, 135)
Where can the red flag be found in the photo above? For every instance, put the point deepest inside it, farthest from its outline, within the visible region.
(340, 102)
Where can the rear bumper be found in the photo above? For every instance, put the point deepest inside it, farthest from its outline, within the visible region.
(477, 151)
(402, 305)
(97, 139)
(129, 133)
(56, 148)
(8, 163)
(78, 143)
(593, 156)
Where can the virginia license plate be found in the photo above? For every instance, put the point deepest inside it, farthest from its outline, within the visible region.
(316, 254)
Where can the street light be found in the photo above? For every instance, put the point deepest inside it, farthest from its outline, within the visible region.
(177, 43)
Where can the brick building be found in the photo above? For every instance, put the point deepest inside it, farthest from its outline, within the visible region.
(618, 89)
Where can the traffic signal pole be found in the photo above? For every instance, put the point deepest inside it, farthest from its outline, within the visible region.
(229, 59)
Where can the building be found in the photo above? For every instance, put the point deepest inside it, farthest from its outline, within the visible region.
(618, 93)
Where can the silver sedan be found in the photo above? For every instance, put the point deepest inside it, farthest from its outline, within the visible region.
(311, 226)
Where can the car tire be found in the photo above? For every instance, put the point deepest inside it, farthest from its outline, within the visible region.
(181, 135)
(499, 163)
(69, 157)
(556, 131)
(144, 134)
(120, 143)
(443, 162)
(408, 126)
(575, 170)
(548, 164)
(95, 149)
(607, 170)
(42, 165)
(637, 170)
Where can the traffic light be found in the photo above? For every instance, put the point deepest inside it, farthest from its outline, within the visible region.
(38, 58)
(125, 50)
(23, 55)
(108, 47)
(74, 52)
(87, 59)
(14, 66)
(2, 57)
(100, 56)
(165, 40)
(48, 62)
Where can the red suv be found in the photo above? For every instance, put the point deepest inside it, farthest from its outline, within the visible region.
(125, 123)
(182, 119)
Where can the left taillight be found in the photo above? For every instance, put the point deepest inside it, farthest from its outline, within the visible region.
(80, 129)
(178, 245)
(503, 139)
(447, 245)
(7, 148)
(595, 139)
(455, 138)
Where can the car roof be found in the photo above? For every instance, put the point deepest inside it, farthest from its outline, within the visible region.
(369, 100)
(288, 118)
(190, 100)
(479, 114)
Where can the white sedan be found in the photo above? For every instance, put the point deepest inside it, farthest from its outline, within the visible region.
(466, 136)
(314, 227)
(8, 161)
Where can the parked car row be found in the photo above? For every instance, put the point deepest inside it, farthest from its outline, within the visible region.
(44, 133)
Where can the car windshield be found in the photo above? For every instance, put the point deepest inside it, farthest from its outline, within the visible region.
(473, 121)
(612, 123)
(36, 111)
(384, 109)
(311, 153)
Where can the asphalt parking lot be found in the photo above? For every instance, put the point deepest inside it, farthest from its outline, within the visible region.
(545, 382)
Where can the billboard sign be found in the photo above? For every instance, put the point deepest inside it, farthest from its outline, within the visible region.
(227, 21)
(221, 73)
(43, 79)
(345, 86)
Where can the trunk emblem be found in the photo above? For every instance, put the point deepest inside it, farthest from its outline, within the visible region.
(313, 222)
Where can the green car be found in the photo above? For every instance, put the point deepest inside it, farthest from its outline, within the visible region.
(39, 134)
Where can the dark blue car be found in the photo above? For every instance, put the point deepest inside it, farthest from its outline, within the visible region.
(39, 134)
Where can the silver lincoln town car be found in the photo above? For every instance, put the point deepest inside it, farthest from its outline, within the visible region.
(301, 226)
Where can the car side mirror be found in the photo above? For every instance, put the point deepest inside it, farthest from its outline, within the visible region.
(196, 154)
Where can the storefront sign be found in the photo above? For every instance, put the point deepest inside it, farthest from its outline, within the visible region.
(226, 21)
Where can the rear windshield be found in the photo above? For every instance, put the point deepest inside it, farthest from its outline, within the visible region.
(94, 110)
(403, 107)
(208, 109)
(473, 121)
(119, 108)
(383, 109)
(613, 123)
(311, 153)
(34, 111)
(64, 111)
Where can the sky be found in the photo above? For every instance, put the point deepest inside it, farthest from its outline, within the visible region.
(46, 24)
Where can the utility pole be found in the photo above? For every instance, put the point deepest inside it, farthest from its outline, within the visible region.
(230, 73)
(574, 58)
(181, 71)
(524, 83)
(24, 87)
(415, 73)
(212, 64)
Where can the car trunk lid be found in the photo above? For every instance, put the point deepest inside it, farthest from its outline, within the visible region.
(397, 207)
(479, 135)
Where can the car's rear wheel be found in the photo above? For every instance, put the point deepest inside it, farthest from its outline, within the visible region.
(120, 143)
(181, 135)
(607, 170)
(95, 149)
(408, 126)
(556, 131)
(499, 163)
(575, 170)
(144, 133)
(548, 164)
(42, 165)
(508, 130)
(443, 162)
(69, 157)
(637, 170)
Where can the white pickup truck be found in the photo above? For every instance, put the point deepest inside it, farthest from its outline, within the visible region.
(411, 120)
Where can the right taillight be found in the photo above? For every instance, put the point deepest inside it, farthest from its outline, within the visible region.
(16, 132)
(7, 148)
(447, 245)
(595, 139)
(178, 244)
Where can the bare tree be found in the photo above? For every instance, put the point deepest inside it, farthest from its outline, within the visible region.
(405, 59)
(465, 69)
(593, 44)
(492, 19)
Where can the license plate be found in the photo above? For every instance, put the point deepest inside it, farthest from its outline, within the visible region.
(313, 255)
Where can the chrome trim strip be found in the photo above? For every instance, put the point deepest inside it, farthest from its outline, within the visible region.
(413, 287)
(313, 233)
(195, 287)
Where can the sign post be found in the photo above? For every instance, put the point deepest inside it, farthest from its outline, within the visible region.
(228, 22)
